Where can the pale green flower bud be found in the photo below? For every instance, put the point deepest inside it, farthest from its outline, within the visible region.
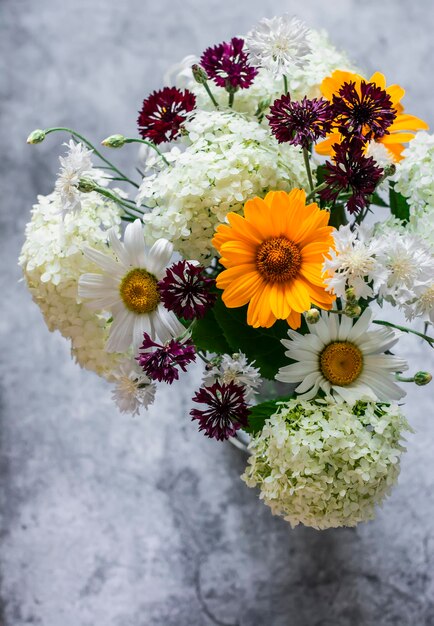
(86, 185)
(422, 378)
(36, 136)
(114, 141)
(352, 310)
(199, 74)
(312, 316)
(350, 295)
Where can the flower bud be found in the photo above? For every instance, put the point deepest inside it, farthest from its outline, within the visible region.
(86, 185)
(114, 141)
(36, 136)
(350, 295)
(199, 74)
(422, 378)
(389, 170)
(312, 316)
(352, 310)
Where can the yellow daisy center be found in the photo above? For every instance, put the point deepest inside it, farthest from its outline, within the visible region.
(341, 363)
(139, 291)
(278, 259)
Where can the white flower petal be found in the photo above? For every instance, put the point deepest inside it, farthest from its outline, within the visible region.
(121, 331)
(134, 244)
(159, 257)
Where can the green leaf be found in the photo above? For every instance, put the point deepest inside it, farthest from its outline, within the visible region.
(261, 345)
(208, 336)
(261, 412)
(398, 204)
(378, 200)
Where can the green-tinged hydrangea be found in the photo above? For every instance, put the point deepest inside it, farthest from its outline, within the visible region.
(327, 464)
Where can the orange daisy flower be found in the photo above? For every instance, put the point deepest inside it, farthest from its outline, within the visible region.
(402, 128)
(273, 258)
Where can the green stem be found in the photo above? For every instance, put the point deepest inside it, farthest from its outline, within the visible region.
(92, 147)
(404, 329)
(338, 216)
(231, 98)
(209, 92)
(285, 84)
(315, 191)
(127, 207)
(307, 164)
(150, 145)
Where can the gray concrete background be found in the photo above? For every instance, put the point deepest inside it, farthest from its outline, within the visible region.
(113, 521)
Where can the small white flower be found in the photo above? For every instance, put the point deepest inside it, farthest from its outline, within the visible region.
(235, 368)
(76, 164)
(128, 288)
(343, 360)
(422, 305)
(379, 153)
(353, 263)
(133, 389)
(279, 44)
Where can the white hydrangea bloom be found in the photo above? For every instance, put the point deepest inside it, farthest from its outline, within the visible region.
(327, 465)
(353, 263)
(228, 159)
(52, 261)
(133, 390)
(415, 173)
(235, 368)
(323, 59)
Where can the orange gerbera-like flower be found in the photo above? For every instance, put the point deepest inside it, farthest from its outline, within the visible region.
(273, 258)
(400, 131)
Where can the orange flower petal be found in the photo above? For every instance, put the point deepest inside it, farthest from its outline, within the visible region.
(241, 290)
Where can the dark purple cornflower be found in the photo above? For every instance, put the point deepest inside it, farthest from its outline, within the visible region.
(227, 64)
(366, 112)
(227, 410)
(351, 172)
(300, 123)
(185, 290)
(164, 112)
(163, 362)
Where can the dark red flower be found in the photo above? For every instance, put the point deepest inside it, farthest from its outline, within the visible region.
(367, 114)
(227, 410)
(351, 172)
(300, 123)
(163, 362)
(227, 64)
(164, 112)
(185, 290)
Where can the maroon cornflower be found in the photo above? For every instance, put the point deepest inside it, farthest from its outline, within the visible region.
(164, 112)
(300, 123)
(367, 114)
(351, 172)
(163, 362)
(185, 290)
(227, 64)
(227, 410)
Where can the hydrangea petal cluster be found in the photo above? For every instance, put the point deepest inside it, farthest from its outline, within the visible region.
(300, 123)
(161, 362)
(415, 174)
(351, 172)
(186, 290)
(234, 368)
(163, 114)
(279, 44)
(228, 159)
(227, 64)
(132, 389)
(52, 261)
(226, 410)
(327, 465)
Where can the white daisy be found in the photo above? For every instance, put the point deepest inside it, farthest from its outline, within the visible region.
(235, 368)
(133, 389)
(128, 288)
(279, 44)
(344, 360)
(76, 164)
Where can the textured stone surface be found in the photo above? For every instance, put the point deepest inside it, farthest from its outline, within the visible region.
(113, 521)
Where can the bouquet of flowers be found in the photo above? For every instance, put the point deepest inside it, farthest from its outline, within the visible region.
(282, 198)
